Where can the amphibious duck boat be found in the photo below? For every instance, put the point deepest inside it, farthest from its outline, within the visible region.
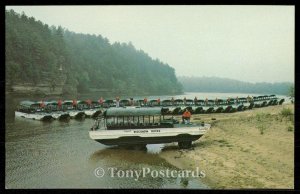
(32, 110)
(142, 126)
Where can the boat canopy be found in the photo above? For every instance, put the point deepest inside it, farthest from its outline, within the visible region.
(166, 101)
(133, 112)
(124, 101)
(28, 103)
(189, 100)
(51, 102)
(68, 102)
(109, 101)
(81, 102)
(178, 100)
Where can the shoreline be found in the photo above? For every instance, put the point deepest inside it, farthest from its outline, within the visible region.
(249, 149)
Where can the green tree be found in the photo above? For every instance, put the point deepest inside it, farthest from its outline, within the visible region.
(45, 54)
(12, 72)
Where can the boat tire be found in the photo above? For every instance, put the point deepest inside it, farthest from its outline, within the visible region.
(185, 144)
(80, 117)
(140, 147)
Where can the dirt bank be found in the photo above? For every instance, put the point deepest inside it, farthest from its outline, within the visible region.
(250, 149)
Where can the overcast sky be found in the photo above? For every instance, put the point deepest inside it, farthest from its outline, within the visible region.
(248, 43)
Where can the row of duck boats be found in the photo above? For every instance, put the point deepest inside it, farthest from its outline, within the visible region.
(51, 110)
(70, 109)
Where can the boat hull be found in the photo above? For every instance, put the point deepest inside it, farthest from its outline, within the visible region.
(281, 101)
(218, 109)
(249, 106)
(198, 110)
(77, 114)
(61, 116)
(34, 116)
(176, 111)
(137, 140)
(148, 136)
(90, 113)
(227, 109)
(208, 109)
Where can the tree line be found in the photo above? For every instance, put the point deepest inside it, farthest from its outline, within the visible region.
(215, 84)
(37, 53)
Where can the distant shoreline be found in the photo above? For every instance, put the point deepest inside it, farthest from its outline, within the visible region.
(109, 95)
(113, 94)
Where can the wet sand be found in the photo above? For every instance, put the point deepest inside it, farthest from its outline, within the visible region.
(250, 149)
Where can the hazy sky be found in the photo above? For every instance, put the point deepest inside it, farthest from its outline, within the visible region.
(248, 43)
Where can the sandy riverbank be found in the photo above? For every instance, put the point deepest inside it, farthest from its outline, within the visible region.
(250, 149)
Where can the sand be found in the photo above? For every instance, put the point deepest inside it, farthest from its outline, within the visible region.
(249, 149)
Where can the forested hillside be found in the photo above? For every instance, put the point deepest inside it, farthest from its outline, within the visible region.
(215, 84)
(53, 57)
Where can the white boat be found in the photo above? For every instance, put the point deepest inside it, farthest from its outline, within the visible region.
(258, 104)
(32, 110)
(226, 108)
(237, 107)
(60, 115)
(194, 108)
(141, 126)
(218, 109)
(76, 114)
(88, 109)
(274, 100)
(89, 112)
(69, 107)
(34, 116)
(92, 112)
(198, 109)
(174, 110)
(207, 109)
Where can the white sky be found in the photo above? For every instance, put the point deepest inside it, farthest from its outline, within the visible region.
(248, 43)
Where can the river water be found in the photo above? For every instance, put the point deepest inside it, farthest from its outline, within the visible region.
(61, 155)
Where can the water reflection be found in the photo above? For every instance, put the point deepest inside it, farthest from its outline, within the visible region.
(130, 162)
(116, 155)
